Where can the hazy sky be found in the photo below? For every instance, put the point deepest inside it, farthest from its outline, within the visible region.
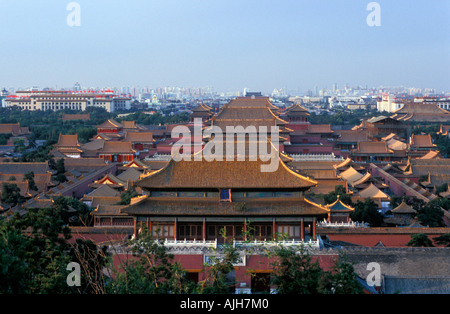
(226, 44)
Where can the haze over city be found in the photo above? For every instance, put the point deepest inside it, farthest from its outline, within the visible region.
(228, 45)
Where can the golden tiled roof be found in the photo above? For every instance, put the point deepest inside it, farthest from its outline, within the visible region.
(141, 137)
(421, 140)
(371, 147)
(115, 147)
(162, 206)
(403, 208)
(373, 192)
(68, 141)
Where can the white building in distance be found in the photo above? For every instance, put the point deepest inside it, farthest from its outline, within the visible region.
(389, 104)
(74, 100)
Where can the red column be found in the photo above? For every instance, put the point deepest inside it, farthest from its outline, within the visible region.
(274, 228)
(245, 229)
(135, 228)
(302, 230)
(175, 229)
(204, 230)
(314, 228)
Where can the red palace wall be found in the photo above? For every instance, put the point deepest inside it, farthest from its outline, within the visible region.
(253, 264)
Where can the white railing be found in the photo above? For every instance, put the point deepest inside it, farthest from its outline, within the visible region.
(254, 243)
(271, 243)
(190, 243)
(349, 224)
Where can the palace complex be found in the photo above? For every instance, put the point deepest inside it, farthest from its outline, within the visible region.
(239, 182)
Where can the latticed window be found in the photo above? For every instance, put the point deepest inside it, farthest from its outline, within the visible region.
(289, 231)
(225, 195)
(162, 231)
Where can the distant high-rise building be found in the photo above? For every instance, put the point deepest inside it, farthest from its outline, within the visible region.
(77, 87)
(388, 104)
(335, 87)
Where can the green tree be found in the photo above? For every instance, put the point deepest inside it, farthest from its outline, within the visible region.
(441, 188)
(367, 211)
(218, 270)
(60, 171)
(125, 198)
(35, 252)
(11, 194)
(61, 177)
(15, 273)
(44, 250)
(92, 260)
(443, 240)
(19, 145)
(340, 280)
(431, 214)
(4, 138)
(420, 240)
(442, 202)
(60, 168)
(151, 271)
(85, 134)
(294, 271)
(30, 178)
(339, 190)
(73, 211)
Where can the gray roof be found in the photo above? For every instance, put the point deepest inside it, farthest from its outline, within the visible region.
(416, 284)
(24, 167)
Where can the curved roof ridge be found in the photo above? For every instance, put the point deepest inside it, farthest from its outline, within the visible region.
(338, 205)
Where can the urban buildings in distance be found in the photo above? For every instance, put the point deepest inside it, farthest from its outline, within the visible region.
(68, 100)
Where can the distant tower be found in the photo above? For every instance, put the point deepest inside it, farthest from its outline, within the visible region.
(77, 87)
(4, 92)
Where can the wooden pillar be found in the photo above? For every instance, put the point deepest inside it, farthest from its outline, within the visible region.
(204, 230)
(314, 228)
(135, 228)
(175, 229)
(149, 226)
(274, 226)
(245, 229)
(302, 230)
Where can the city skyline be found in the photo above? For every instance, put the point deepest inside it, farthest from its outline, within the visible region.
(334, 90)
(261, 45)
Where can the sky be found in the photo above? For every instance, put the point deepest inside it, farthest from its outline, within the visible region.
(225, 44)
